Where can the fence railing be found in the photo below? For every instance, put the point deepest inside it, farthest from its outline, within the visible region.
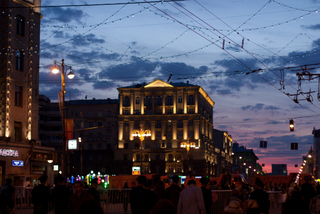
(117, 200)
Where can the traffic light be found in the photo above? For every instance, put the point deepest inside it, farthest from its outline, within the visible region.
(294, 146)
(263, 144)
(291, 126)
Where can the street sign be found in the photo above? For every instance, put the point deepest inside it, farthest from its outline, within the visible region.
(17, 163)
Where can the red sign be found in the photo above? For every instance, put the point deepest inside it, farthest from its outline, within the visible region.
(9, 152)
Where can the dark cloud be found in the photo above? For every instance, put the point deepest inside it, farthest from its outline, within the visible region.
(312, 27)
(274, 122)
(257, 107)
(104, 85)
(60, 14)
(86, 40)
(224, 91)
(271, 108)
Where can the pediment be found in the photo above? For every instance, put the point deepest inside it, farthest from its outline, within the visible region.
(158, 84)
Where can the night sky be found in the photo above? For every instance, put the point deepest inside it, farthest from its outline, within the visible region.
(245, 54)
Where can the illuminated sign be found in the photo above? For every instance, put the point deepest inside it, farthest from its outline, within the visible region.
(72, 144)
(55, 167)
(17, 163)
(9, 152)
(136, 170)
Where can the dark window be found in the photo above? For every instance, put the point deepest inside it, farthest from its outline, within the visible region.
(126, 145)
(17, 131)
(159, 101)
(99, 123)
(180, 99)
(18, 96)
(147, 124)
(137, 100)
(159, 111)
(137, 112)
(90, 137)
(125, 157)
(191, 111)
(126, 123)
(99, 146)
(108, 146)
(169, 100)
(180, 111)
(180, 124)
(126, 112)
(136, 125)
(169, 135)
(148, 101)
(191, 101)
(20, 25)
(108, 113)
(158, 135)
(90, 124)
(136, 146)
(19, 61)
(180, 135)
(157, 157)
(90, 146)
(169, 145)
(170, 157)
(190, 134)
(126, 101)
(190, 122)
(169, 111)
(99, 137)
(158, 124)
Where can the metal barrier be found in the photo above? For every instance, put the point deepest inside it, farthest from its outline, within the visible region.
(117, 201)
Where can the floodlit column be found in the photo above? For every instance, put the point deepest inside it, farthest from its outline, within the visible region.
(185, 129)
(142, 104)
(196, 104)
(131, 104)
(120, 130)
(120, 104)
(131, 123)
(163, 130)
(153, 130)
(174, 130)
(202, 126)
(174, 103)
(163, 104)
(196, 129)
(185, 109)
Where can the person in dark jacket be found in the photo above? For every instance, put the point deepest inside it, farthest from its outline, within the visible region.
(60, 196)
(308, 193)
(207, 196)
(134, 194)
(147, 198)
(261, 197)
(78, 198)
(41, 196)
(173, 192)
(7, 195)
(93, 190)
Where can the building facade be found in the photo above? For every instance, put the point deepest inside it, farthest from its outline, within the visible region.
(244, 161)
(178, 117)
(22, 158)
(316, 152)
(279, 169)
(223, 142)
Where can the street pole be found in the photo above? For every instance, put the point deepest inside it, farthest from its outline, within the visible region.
(141, 153)
(64, 143)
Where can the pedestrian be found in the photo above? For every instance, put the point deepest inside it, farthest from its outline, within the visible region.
(191, 200)
(125, 196)
(78, 198)
(134, 200)
(60, 196)
(229, 205)
(147, 198)
(308, 193)
(159, 189)
(173, 192)
(206, 193)
(41, 196)
(7, 195)
(164, 206)
(93, 190)
(258, 200)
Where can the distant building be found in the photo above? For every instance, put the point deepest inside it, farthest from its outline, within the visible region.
(244, 161)
(22, 157)
(176, 114)
(223, 142)
(316, 152)
(94, 121)
(279, 169)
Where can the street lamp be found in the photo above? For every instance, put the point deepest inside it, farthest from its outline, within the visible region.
(141, 134)
(188, 145)
(61, 67)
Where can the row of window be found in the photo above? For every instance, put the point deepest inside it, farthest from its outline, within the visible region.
(158, 124)
(168, 102)
(168, 135)
(90, 114)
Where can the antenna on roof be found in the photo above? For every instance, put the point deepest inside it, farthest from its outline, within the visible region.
(169, 77)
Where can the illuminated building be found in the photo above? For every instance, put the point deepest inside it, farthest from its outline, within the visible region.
(316, 152)
(176, 114)
(19, 82)
(223, 144)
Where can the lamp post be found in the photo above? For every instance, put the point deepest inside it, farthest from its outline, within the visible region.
(188, 145)
(141, 134)
(81, 148)
(56, 70)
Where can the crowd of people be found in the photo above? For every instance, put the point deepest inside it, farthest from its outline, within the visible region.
(151, 197)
